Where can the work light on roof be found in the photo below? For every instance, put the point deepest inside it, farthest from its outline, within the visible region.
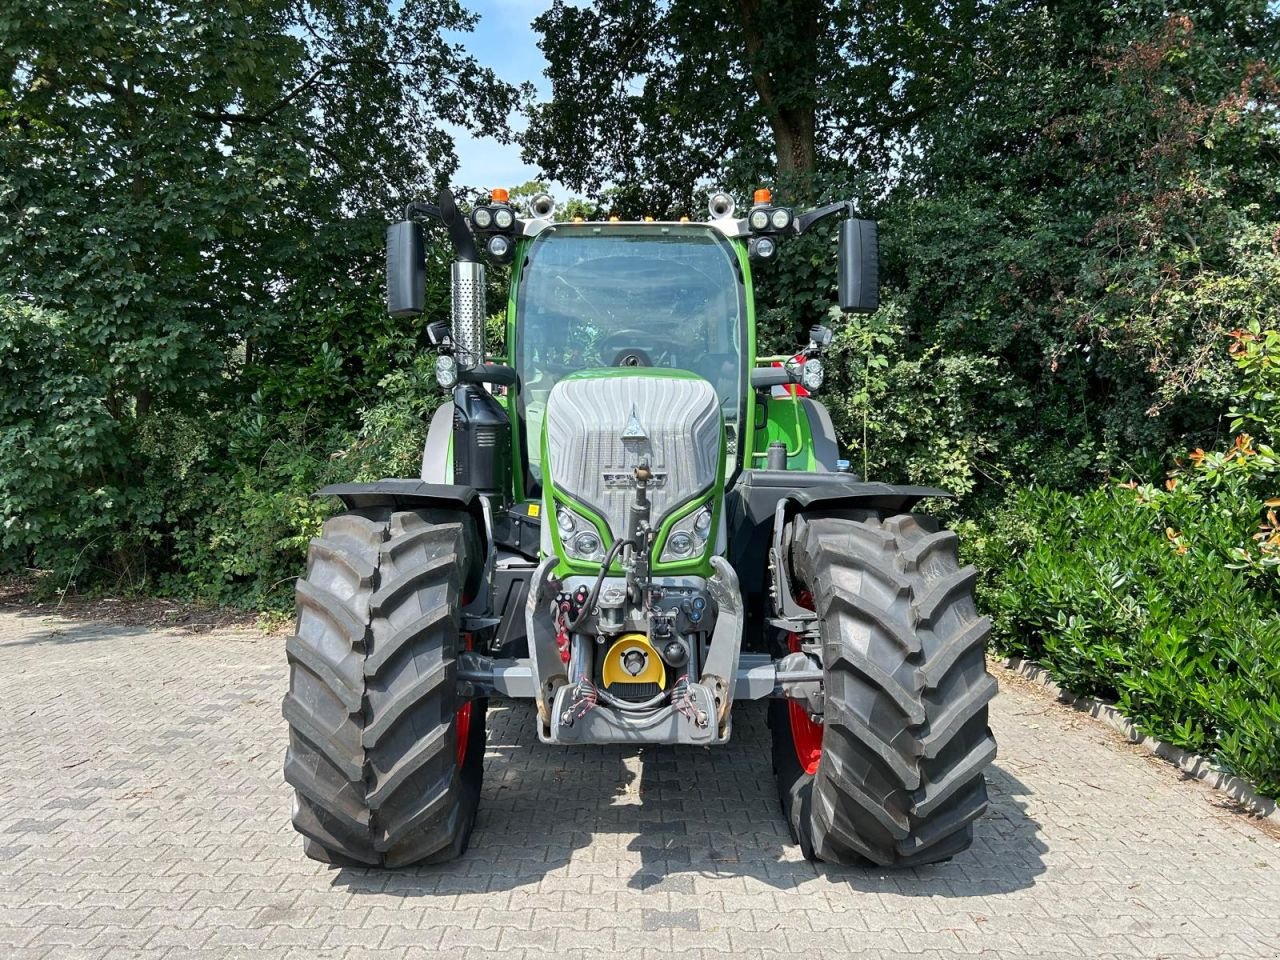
(498, 246)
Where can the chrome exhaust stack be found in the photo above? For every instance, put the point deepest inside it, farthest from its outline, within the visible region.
(468, 312)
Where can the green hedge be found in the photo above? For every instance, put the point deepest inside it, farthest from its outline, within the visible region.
(212, 504)
(1131, 594)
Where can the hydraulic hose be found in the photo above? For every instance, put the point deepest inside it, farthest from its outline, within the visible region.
(594, 596)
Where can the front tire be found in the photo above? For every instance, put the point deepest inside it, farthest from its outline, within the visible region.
(893, 776)
(385, 760)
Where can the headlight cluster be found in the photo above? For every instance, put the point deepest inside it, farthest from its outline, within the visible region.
(497, 220)
(500, 218)
(446, 371)
(579, 535)
(688, 537)
(769, 219)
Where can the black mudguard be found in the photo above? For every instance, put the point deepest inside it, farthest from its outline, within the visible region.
(414, 495)
(762, 502)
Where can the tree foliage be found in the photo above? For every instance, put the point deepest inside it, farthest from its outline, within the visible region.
(1073, 202)
(192, 204)
(1077, 201)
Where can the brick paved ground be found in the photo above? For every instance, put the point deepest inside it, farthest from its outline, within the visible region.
(142, 813)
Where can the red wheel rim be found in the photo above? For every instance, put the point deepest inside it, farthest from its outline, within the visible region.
(462, 719)
(462, 724)
(806, 736)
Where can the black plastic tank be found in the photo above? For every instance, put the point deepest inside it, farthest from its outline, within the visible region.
(481, 442)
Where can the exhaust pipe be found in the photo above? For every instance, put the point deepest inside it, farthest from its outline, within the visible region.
(467, 277)
(468, 313)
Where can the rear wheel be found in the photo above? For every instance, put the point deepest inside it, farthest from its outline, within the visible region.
(385, 759)
(893, 772)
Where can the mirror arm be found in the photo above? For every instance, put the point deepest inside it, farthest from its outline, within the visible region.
(495, 373)
(445, 210)
(416, 209)
(807, 220)
(762, 378)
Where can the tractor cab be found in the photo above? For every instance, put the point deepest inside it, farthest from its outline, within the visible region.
(636, 296)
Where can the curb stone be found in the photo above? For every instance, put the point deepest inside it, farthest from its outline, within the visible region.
(1192, 764)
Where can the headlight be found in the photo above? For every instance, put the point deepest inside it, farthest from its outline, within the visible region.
(446, 372)
(587, 546)
(680, 544)
(565, 522)
(482, 217)
(578, 535)
(702, 522)
(781, 218)
(811, 374)
(688, 537)
(503, 218)
(759, 219)
(761, 248)
(498, 247)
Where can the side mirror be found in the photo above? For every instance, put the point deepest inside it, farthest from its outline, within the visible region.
(859, 273)
(406, 270)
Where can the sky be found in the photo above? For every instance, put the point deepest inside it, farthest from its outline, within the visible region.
(504, 41)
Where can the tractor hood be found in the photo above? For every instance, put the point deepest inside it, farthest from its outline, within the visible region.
(600, 425)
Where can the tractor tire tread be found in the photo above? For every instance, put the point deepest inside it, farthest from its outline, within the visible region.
(373, 756)
(901, 776)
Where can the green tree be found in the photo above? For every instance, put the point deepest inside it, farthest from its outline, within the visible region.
(169, 168)
(659, 98)
(1064, 193)
(195, 196)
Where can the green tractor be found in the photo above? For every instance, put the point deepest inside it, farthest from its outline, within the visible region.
(634, 521)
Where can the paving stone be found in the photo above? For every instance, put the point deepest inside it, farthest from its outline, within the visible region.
(145, 816)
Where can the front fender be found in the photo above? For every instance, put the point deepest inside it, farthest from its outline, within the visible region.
(760, 502)
(420, 495)
(822, 497)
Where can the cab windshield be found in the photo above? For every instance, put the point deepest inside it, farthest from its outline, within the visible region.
(617, 295)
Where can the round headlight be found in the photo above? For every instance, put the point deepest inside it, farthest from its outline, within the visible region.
(781, 219)
(680, 544)
(565, 522)
(759, 219)
(763, 247)
(702, 525)
(586, 545)
(498, 246)
(503, 218)
(811, 374)
(482, 217)
(446, 372)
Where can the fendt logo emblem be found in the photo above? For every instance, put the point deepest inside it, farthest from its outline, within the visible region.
(620, 479)
(633, 437)
(633, 430)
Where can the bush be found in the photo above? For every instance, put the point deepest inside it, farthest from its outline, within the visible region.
(1162, 596)
(62, 454)
(215, 506)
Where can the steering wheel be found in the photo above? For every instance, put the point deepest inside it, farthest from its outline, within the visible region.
(621, 346)
(632, 357)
